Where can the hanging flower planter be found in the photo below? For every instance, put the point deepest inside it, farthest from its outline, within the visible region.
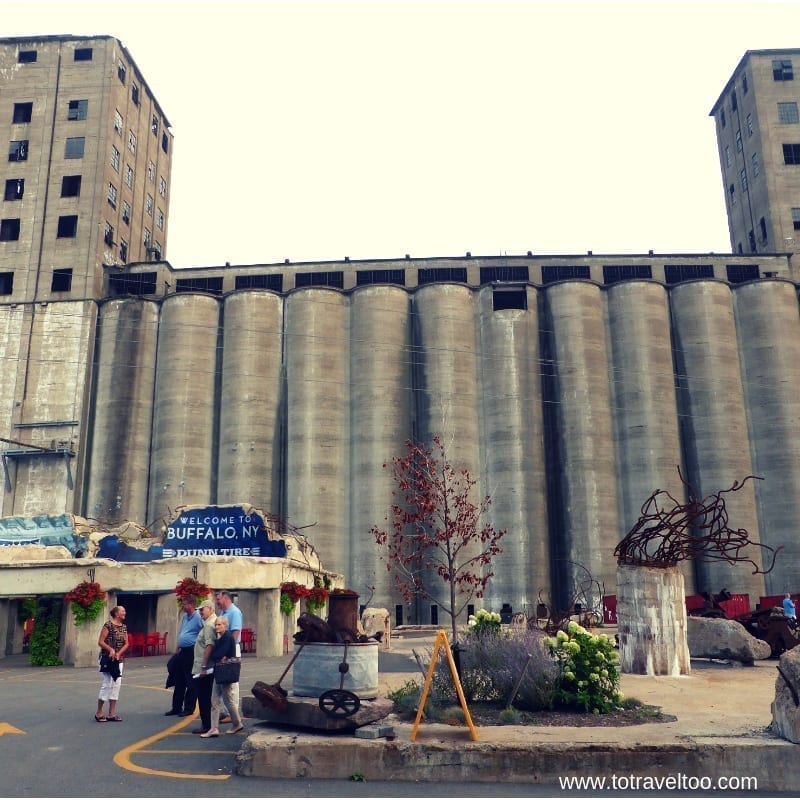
(191, 589)
(86, 601)
(291, 592)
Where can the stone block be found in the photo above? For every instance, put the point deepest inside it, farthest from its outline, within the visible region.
(374, 731)
(786, 705)
(711, 637)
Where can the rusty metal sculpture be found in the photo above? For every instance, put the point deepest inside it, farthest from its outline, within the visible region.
(697, 529)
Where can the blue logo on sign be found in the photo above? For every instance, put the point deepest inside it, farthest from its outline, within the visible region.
(220, 531)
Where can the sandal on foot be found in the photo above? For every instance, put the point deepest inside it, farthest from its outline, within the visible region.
(114, 719)
(235, 730)
(99, 719)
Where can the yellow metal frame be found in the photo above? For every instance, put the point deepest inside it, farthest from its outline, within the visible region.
(443, 644)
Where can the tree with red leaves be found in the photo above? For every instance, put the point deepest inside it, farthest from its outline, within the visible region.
(435, 530)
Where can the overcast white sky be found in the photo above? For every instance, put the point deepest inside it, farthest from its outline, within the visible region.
(314, 131)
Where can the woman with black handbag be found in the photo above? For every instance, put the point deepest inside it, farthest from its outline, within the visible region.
(226, 668)
(113, 642)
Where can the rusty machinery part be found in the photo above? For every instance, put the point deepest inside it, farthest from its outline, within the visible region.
(770, 625)
(697, 529)
(272, 695)
(340, 702)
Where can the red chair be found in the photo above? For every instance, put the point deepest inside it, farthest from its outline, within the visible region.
(248, 640)
(162, 644)
(136, 644)
(152, 642)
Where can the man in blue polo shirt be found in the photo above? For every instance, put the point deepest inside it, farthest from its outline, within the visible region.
(184, 695)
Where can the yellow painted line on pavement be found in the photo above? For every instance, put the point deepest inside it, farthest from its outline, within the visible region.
(123, 757)
(6, 727)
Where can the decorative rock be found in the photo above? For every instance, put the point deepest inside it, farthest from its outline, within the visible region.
(711, 637)
(304, 712)
(786, 705)
(377, 620)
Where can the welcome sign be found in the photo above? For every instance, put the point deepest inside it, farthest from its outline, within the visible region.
(220, 531)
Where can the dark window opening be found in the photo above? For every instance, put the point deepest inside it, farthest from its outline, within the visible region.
(334, 279)
(398, 615)
(722, 120)
(442, 274)
(565, 272)
(782, 70)
(135, 93)
(123, 251)
(434, 615)
(210, 285)
(738, 273)
(762, 224)
(9, 230)
(164, 142)
(6, 282)
(27, 56)
(83, 54)
(626, 272)
(791, 154)
(18, 151)
(154, 125)
(677, 273)
(121, 72)
(74, 147)
(734, 104)
(274, 282)
(751, 240)
(470, 609)
(77, 109)
(62, 280)
(108, 235)
(22, 113)
(490, 274)
(504, 298)
(366, 277)
(140, 283)
(744, 84)
(67, 226)
(71, 186)
(15, 189)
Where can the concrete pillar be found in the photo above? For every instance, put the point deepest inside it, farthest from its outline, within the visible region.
(7, 608)
(651, 618)
(167, 614)
(79, 642)
(269, 624)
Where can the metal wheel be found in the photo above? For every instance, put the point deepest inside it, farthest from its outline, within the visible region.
(339, 703)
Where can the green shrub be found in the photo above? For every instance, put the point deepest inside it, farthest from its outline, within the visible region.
(492, 664)
(510, 716)
(406, 699)
(453, 715)
(44, 644)
(588, 674)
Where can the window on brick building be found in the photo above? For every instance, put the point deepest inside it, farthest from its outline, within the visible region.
(15, 189)
(782, 70)
(9, 230)
(74, 147)
(22, 113)
(71, 186)
(67, 226)
(77, 109)
(62, 280)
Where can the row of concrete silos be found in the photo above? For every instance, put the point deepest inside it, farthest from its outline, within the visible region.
(570, 410)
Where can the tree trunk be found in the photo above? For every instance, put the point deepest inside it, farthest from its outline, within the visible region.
(651, 617)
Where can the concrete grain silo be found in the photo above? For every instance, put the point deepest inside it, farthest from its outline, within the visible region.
(512, 444)
(585, 522)
(250, 422)
(714, 425)
(644, 402)
(317, 474)
(12, 325)
(125, 371)
(381, 399)
(768, 329)
(448, 388)
(182, 457)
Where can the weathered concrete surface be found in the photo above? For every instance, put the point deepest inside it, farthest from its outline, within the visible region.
(442, 755)
(724, 639)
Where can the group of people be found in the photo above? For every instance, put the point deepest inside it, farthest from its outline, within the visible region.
(205, 640)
